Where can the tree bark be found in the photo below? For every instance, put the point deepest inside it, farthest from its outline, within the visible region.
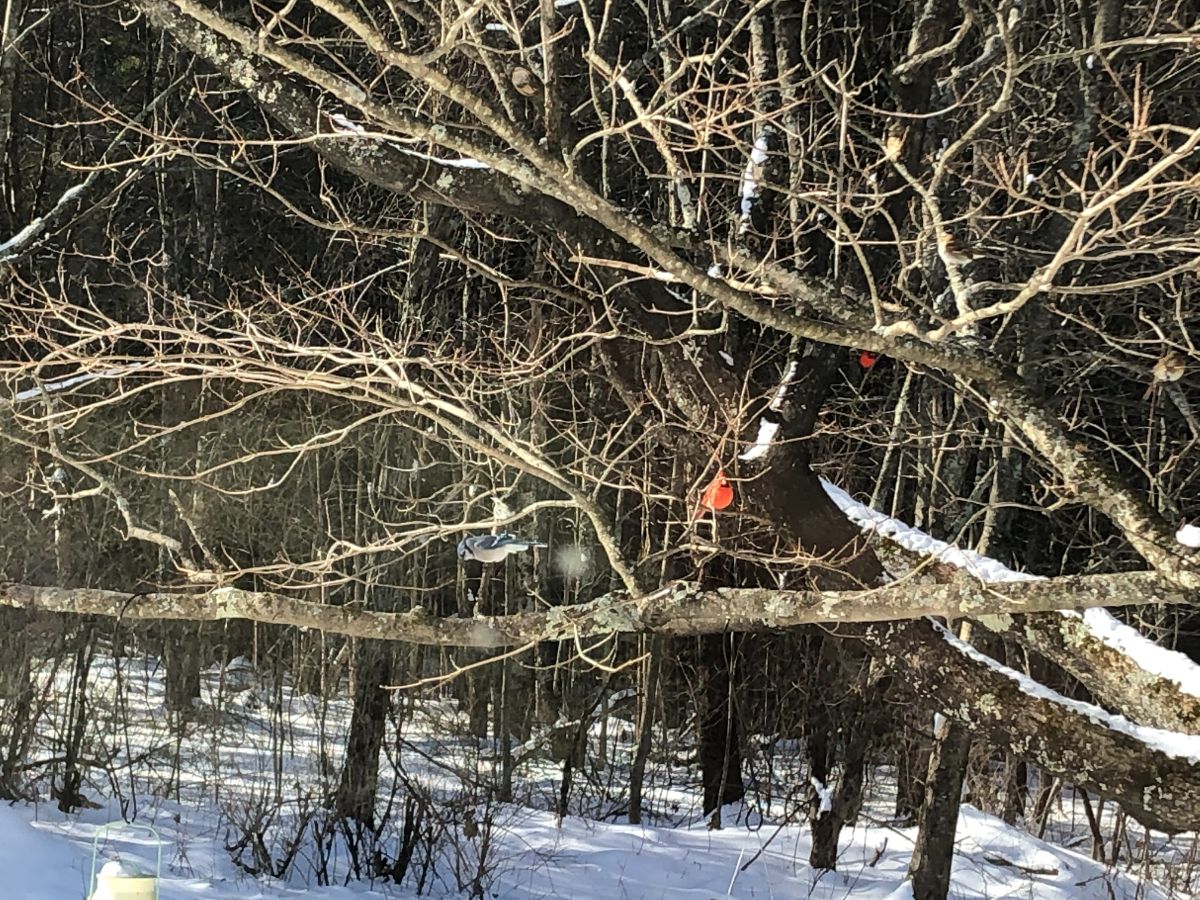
(719, 732)
(1112, 677)
(11, 17)
(67, 792)
(912, 771)
(1016, 790)
(645, 729)
(182, 658)
(838, 725)
(1159, 789)
(933, 853)
(681, 608)
(359, 784)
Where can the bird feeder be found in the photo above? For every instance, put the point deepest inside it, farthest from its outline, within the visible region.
(124, 880)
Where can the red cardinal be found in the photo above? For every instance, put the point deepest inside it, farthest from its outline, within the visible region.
(718, 494)
(866, 358)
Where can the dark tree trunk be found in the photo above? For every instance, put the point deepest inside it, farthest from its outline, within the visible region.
(1016, 790)
(720, 747)
(68, 794)
(934, 850)
(825, 833)
(505, 701)
(477, 700)
(845, 801)
(17, 728)
(360, 773)
(838, 734)
(1048, 789)
(912, 767)
(637, 772)
(181, 655)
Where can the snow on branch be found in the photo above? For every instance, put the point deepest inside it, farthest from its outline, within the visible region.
(1159, 661)
(789, 375)
(762, 443)
(342, 124)
(1153, 773)
(54, 387)
(751, 177)
(917, 541)
(1170, 743)
(1123, 684)
(12, 248)
(768, 428)
(1170, 665)
(1189, 536)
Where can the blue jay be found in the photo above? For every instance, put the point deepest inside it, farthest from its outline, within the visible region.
(493, 548)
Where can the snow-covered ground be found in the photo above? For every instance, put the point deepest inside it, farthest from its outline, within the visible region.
(269, 754)
(46, 856)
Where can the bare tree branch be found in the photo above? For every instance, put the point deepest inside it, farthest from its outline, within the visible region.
(1085, 475)
(678, 609)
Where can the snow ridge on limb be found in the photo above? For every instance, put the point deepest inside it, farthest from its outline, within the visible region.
(1154, 774)
(53, 387)
(768, 428)
(1149, 702)
(15, 245)
(1170, 665)
(917, 541)
(1170, 743)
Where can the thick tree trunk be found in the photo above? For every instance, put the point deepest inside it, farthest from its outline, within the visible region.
(645, 730)
(833, 803)
(837, 737)
(181, 654)
(359, 783)
(825, 832)
(933, 852)
(720, 744)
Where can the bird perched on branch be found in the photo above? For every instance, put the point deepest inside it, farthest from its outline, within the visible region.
(494, 548)
(954, 250)
(717, 496)
(524, 81)
(1170, 368)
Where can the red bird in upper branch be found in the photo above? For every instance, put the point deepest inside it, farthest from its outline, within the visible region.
(866, 358)
(717, 496)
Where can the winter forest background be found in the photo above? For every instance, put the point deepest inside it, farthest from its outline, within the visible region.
(296, 295)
